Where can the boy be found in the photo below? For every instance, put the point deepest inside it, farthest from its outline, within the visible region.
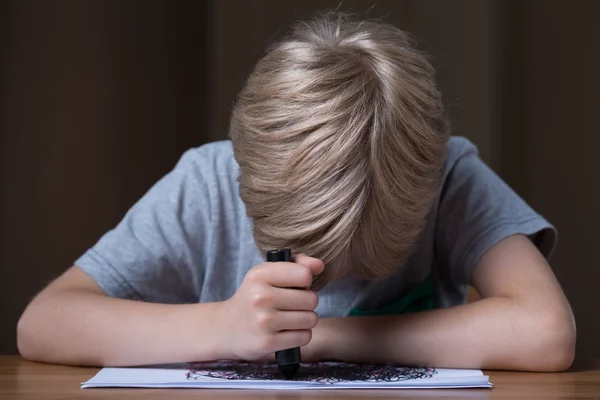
(340, 151)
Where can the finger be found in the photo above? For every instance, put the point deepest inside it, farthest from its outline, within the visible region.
(294, 300)
(290, 339)
(294, 320)
(284, 275)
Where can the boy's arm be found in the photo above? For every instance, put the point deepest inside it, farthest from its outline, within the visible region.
(72, 321)
(523, 322)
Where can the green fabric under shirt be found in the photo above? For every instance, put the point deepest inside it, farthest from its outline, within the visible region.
(419, 299)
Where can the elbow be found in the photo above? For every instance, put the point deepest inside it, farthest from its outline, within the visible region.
(25, 340)
(555, 343)
(30, 343)
(564, 343)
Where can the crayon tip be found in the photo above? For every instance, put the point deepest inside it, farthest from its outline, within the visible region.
(289, 370)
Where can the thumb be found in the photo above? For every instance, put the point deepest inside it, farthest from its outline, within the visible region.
(315, 265)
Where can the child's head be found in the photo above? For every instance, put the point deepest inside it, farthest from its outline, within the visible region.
(341, 137)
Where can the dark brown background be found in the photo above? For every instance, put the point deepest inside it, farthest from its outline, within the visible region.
(98, 99)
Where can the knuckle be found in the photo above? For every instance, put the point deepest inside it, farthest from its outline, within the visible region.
(255, 274)
(264, 320)
(261, 299)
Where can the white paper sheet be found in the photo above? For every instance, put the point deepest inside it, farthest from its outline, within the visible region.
(326, 375)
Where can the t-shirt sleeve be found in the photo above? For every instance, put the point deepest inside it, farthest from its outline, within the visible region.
(477, 210)
(148, 256)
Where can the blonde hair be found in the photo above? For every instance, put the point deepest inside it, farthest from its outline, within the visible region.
(341, 138)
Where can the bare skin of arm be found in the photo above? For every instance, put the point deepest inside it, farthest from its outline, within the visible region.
(72, 321)
(523, 322)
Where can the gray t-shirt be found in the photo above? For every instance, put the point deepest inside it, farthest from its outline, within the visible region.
(188, 239)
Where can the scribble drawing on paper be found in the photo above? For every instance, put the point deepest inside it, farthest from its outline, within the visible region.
(323, 372)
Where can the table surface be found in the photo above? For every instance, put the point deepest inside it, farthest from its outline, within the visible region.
(21, 379)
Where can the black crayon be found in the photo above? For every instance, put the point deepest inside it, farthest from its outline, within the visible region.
(288, 361)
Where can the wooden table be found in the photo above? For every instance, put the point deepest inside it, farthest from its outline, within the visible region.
(21, 380)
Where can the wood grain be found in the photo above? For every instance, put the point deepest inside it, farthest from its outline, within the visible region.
(22, 380)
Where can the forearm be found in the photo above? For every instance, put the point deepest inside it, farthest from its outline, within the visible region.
(494, 333)
(83, 328)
